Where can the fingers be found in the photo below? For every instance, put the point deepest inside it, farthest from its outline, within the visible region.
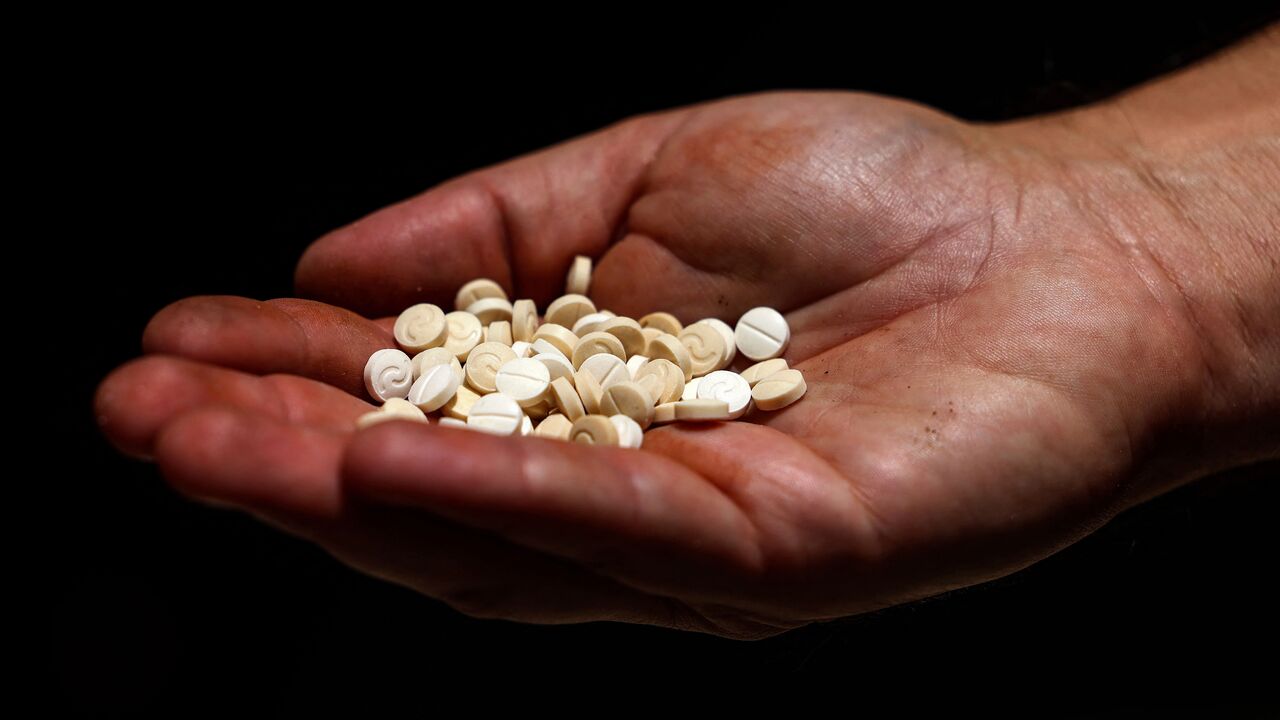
(299, 337)
(289, 476)
(519, 223)
(137, 399)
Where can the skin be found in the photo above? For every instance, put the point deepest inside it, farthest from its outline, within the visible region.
(1010, 333)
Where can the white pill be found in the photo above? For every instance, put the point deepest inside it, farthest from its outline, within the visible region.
(579, 278)
(429, 358)
(728, 387)
(762, 333)
(556, 365)
(431, 391)
(497, 414)
(540, 346)
(691, 389)
(567, 309)
(526, 426)
(606, 369)
(522, 349)
(587, 323)
(726, 332)
(524, 380)
(629, 433)
(453, 422)
(388, 374)
(634, 363)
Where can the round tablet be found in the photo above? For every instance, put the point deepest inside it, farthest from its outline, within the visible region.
(634, 363)
(542, 347)
(566, 399)
(726, 333)
(762, 370)
(589, 323)
(669, 380)
(593, 430)
(420, 327)
(598, 343)
(664, 322)
(628, 398)
(669, 347)
(607, 369)
(701, 409)
(567, 309)
(490, 310)
(431, 357)
(459, 406)
(589, 390)
(560, 337)
(691, 389)
(437, 387)
(762, 333)
(779, 390)
(496, 413)
(555, 426)
(392, 409)
(729, 387)
(477, 290)
(557, 366)
(705, 346)
(482, 366)
(388, 374)
(522, 349)
(499, 331)
(665, 413)
(524, 380)
(464, 333)
(524, 320)
(630, 434)
(650, 334)
(579, 278)
(629, 332)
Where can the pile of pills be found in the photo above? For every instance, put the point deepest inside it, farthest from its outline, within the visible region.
(583, 374)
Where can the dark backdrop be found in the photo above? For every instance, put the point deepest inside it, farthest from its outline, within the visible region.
(207, 166)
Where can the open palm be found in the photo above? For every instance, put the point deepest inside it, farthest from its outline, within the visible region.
(987, 351)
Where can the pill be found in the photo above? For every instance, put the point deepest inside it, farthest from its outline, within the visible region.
(524, 320)
(477, 290)
(650, 333)
(691, 389)
(420, 327)
(668, 347)
(598, 343)
(464, 333)
(524, 380)
(567, 309)
(556, 365)
(589, 390)
(566, 399)
(701, 409)
(628, 332)
(705, 346)
(482, 366)
(628, 398)
(762, 370)
(630, 434)
(579, 278)
(459, 406)
(452, 422)
(526, 426)
(499, 331)
(779, 390)
(607, 369)
(593, 430)
(669, 379)
(490, 310)
(555, 426)
(392, 409)
(542, 347)
(522, 349)
(634, 363)
(726, 333)
(762, 333)
(388, 374)
(429, 358)
(497, 414)
(589, 323)
(541, 408)
(664, 413)
(437, 387)
(610, 313)
(728, 387)
(559, 336)
(663, 322)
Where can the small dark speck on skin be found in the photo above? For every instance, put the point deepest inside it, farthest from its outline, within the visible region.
(935, 412)
(826, 372)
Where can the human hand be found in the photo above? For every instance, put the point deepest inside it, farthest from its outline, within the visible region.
(997, 345)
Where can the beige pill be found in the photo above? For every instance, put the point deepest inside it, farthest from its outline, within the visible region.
(702, 410)
(420, 327)
(557, 366)
(392, 409)
(593, 430)
(762, 370)
(779, 390)
(597, 343)
(589, 390)
(477, 290)
(464, 333)
(628, 398)
(459, 406)
(490, 310)
(453, 422)
(629, 332)
(670, 380)
(540, 409)
(579, 278)
(634, 363)
(542, 347)
(524, 320)
(590, 323)
(730, 344)
(706, 348)
(566, 399)
(555, 426)
(483, 365)
(522, 349)
(606, 369)
(560, 337)
(669, 347)
(526, 426)
(567, 309)
(664, 413)
(499, 331)
(664, 322)
(651, 334)
(431, 357)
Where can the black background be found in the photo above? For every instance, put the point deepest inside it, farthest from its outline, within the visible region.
(206, 167)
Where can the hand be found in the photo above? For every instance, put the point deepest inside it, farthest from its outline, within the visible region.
(997, 358)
